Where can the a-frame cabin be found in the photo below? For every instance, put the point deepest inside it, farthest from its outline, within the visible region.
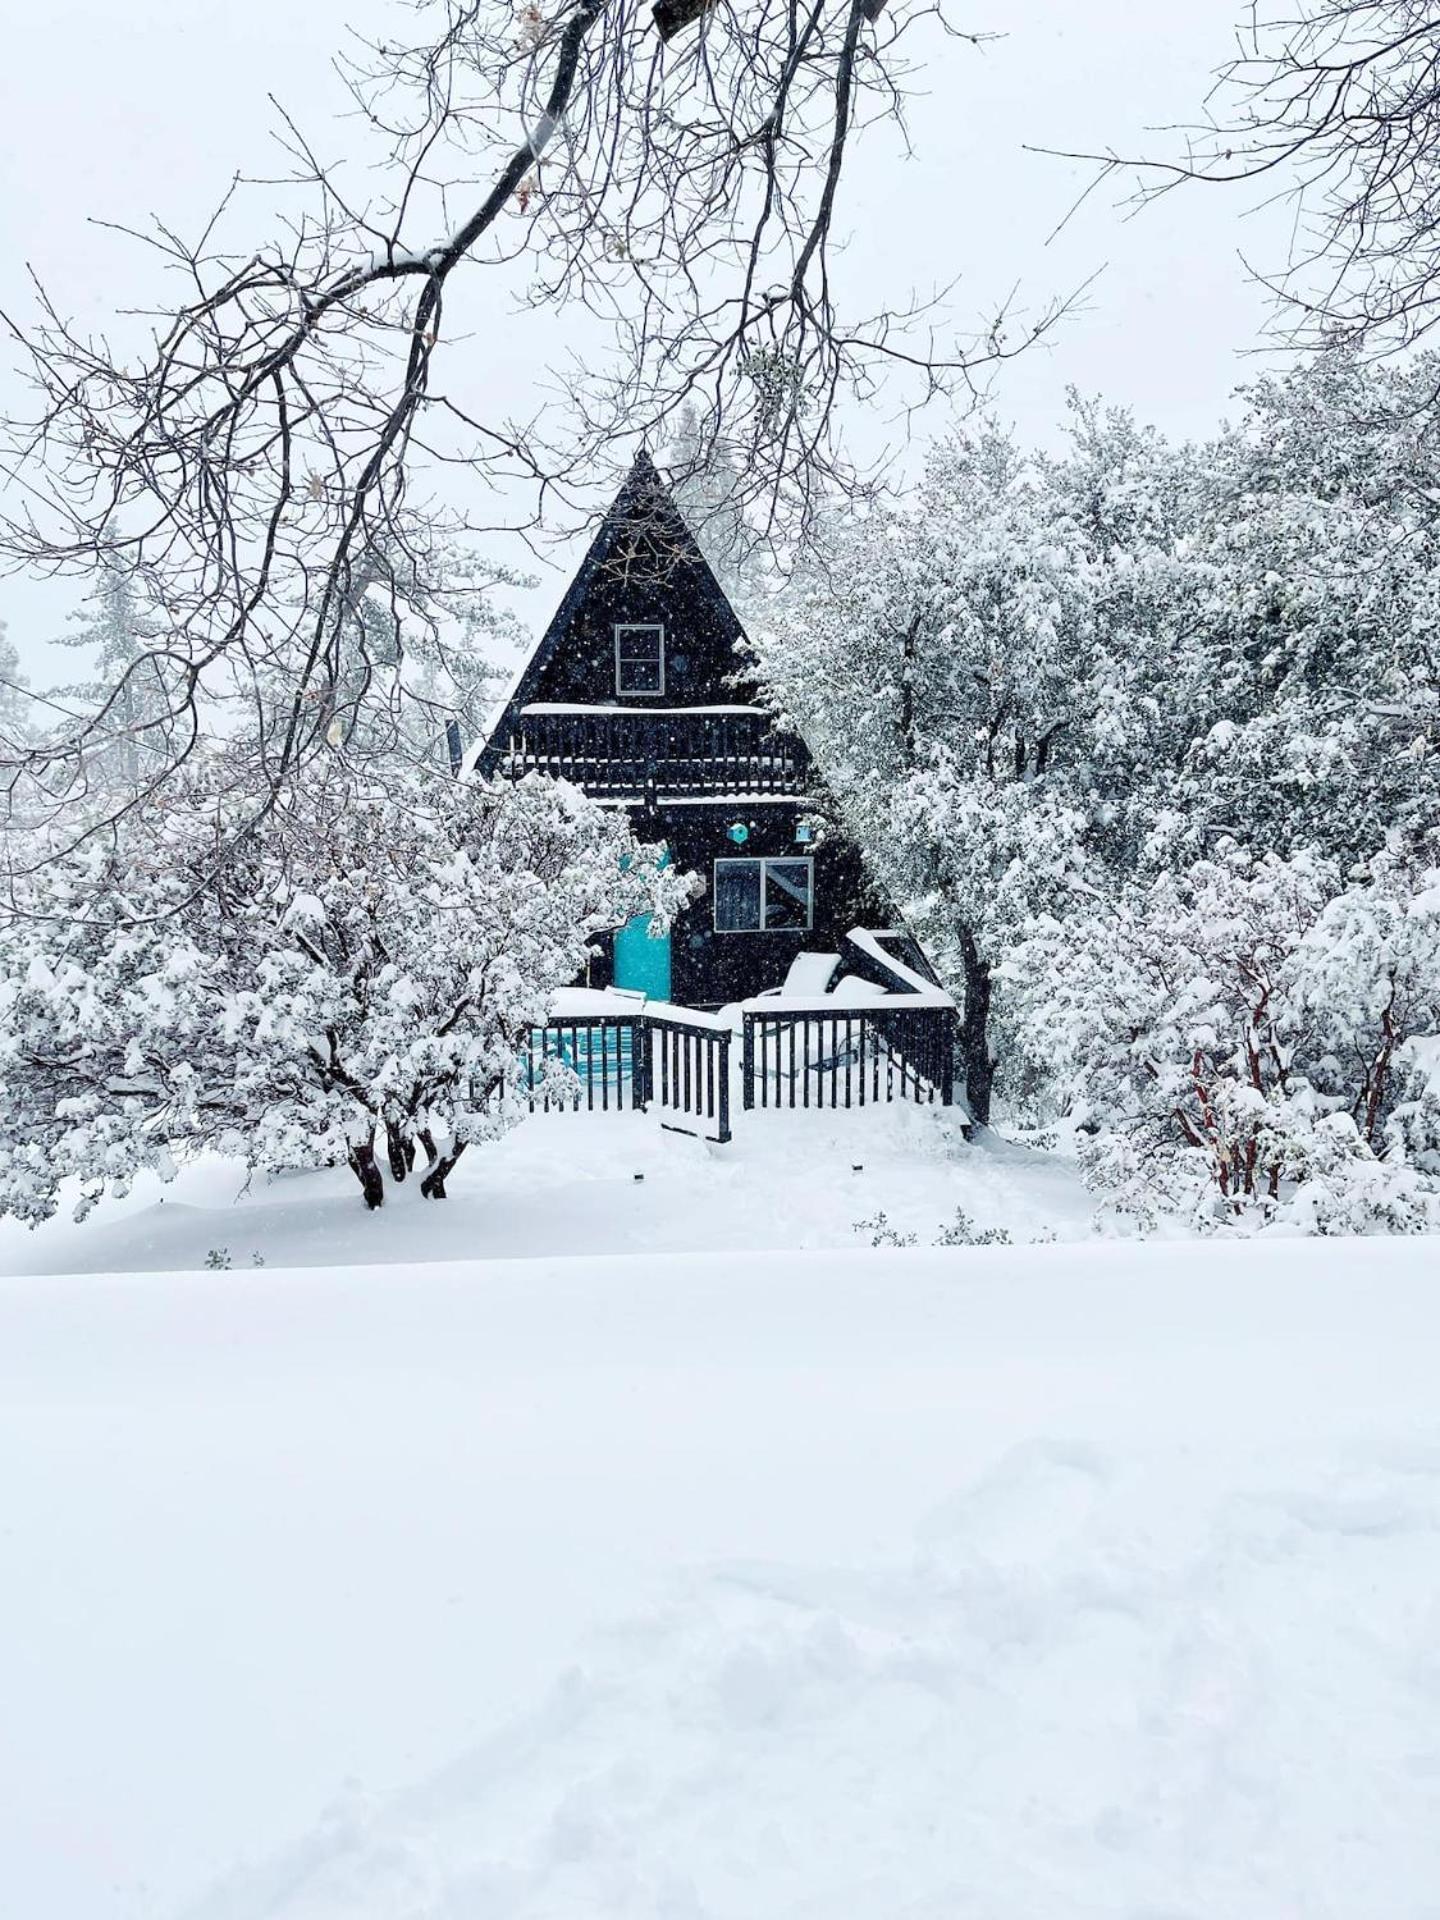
(638, 693)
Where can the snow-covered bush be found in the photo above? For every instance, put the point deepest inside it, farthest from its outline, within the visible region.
(1240, 1040)
(882, 1234)
(363, 971)
(1368, 973)
(963, 1232)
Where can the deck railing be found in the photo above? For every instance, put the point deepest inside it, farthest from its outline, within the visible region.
(859, 1057)
(689, 1076)
(594, 1062)
(679, 1062)
(602, 1063)
(622, 756)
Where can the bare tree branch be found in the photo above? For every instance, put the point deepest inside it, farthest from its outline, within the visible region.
(254, 469)
(1337, 107)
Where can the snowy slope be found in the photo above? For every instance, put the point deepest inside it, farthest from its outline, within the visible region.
(564, 1184)
(1089, 1580)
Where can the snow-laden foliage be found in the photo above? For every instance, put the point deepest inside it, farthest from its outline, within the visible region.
(370, 967)
(1127, 730)
(1239, 1040)
(127, 686)
(1318, 634)
(983, 671)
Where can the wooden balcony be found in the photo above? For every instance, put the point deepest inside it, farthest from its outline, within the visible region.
(650, 755)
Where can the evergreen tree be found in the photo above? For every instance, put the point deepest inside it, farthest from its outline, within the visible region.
(127, 681)
(16, 717)
(706, 483)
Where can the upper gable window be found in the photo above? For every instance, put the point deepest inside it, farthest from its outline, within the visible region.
(640, 659)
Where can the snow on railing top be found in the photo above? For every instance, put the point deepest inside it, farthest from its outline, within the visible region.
(541, 708)
(616, 1003)
(775, 1005)
(730, 800)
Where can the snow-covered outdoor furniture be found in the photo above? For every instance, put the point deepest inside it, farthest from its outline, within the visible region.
(809, 973)
(881, 1033)
(853, 991)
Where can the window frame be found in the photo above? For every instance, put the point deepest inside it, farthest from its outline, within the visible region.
(765, 861)
(639, 626)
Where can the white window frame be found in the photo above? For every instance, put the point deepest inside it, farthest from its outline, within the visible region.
(639, 626)
(765, 861)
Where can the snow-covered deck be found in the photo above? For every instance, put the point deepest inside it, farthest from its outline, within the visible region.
(635, 753)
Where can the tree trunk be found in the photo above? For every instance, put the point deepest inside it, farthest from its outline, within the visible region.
(362, 1159)
(433, 1185)
(975, 1031)
(395, 1144)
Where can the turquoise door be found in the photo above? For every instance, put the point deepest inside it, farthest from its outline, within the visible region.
(642, 959)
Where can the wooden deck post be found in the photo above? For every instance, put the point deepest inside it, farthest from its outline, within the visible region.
(722, 1107)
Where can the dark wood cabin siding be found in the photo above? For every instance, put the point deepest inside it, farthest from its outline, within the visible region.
(710, 969)
(700, 637)
(644, 567)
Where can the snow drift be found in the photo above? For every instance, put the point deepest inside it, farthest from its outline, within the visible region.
(1061, 1580)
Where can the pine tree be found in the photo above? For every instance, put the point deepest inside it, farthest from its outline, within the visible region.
(706, 485)
(127, 684)
(16, 717)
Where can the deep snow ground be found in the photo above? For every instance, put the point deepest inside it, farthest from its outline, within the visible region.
(566, 1184)
(1091, 1579)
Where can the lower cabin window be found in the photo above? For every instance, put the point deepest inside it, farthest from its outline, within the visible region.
(764, 896)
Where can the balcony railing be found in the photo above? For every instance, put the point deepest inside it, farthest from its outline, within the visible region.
(681, 754)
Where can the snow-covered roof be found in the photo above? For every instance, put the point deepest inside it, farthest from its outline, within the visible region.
(871, 942)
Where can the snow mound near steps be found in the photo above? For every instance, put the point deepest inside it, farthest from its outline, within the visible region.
(1071, 1700)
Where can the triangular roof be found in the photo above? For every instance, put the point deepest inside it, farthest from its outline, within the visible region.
(643, 504)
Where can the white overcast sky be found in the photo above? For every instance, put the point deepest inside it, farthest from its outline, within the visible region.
(117, 109)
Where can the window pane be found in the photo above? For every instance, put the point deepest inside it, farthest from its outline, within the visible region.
(787, 893)
(639, 659)
(737, 896)
(639, 676)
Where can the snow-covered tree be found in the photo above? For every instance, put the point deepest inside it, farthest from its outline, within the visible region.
(1246, 1039)
(127, 685)
(366, 974)
(1164, 1022)
(1042, 682)
(1315, 649)
(980, 677)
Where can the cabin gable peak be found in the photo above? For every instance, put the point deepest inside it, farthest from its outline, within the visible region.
(644, 625)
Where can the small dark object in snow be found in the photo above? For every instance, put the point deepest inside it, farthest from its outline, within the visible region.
(639, 1176)
(857, 1166)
